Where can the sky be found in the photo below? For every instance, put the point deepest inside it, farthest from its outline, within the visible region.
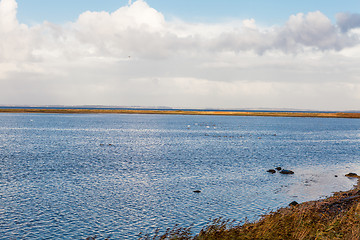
(264, 11)
(199, 54)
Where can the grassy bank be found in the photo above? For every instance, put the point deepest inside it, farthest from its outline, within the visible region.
(337, 217)
(186, 112)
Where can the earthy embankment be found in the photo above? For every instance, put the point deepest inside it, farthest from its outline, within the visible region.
(336, 217)
(187, 112)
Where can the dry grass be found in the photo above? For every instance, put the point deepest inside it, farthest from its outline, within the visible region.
(188, 112)
(337, 217)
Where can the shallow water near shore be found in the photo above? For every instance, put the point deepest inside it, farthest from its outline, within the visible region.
(72, 176)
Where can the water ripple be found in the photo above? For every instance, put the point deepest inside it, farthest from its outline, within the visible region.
(71, 176)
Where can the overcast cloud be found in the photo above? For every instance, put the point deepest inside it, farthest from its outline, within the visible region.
(134, 56)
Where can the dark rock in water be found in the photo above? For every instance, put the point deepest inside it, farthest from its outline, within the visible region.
(197, 191)
(286, 171)
(293, 203)
(351, 175)
(271, 171)
(336, 175)
(278, 168)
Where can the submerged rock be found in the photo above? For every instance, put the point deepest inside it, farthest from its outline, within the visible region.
(286, 171)
(278, 168)
(271, 171)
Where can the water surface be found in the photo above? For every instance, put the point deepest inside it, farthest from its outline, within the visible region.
(72, 176)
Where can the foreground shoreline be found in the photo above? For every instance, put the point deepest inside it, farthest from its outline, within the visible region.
(184, 112)
(335, 217)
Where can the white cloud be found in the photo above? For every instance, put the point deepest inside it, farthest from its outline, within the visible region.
(134, 56)
(14, 37)
(8, 21)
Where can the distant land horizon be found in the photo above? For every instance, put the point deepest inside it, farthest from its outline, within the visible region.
(169, 111)
(117, 107)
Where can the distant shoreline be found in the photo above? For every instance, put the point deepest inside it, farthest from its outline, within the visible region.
(184, 112)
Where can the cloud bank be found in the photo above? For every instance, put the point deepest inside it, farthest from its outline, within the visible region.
(134, 56)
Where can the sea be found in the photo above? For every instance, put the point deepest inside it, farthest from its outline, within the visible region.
(73, 176)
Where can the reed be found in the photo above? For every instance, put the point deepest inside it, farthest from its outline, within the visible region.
(336, 217)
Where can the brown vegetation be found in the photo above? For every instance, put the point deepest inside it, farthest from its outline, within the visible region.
(337, 217)
(187, 112)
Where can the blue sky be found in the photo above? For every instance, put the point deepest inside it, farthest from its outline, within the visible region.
(263, 11)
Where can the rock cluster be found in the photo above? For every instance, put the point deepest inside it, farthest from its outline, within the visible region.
(280, 170)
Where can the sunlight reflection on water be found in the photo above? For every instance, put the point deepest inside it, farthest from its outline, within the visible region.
(74, 176)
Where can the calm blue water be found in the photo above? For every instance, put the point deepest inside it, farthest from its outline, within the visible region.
(60, 178)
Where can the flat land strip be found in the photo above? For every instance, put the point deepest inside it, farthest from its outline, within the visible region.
(185, 112)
